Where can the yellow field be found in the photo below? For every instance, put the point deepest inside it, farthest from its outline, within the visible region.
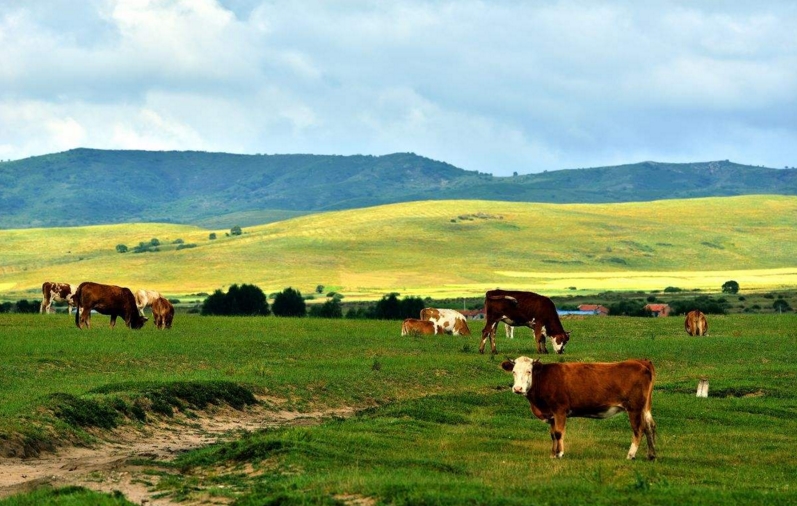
(437, 249)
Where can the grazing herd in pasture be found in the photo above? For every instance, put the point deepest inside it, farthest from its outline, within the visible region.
(114, 301)
(555, 391)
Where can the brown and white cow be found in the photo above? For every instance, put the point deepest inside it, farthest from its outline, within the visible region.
(163, 313)
(411, 326)
(523, 309)
(695, 323)
(145, 298)
(108, 300)
(58, 292)
(453, 322)
(588, 390)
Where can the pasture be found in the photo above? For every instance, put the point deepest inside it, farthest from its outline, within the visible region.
(435, 249)
(436, 421)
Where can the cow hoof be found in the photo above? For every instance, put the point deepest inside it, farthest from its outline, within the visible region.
(651, 457)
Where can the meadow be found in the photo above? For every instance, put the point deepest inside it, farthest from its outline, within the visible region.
(436, 422)
(433, 249)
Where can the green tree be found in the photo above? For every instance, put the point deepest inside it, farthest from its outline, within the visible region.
(781, 306)
(212, 236)
(730, 287)
(121, 248)
(319, 289)
(329, 309)
(289, 302)
(154, 242)
(236, 230)
(244, 300)
(388, 308)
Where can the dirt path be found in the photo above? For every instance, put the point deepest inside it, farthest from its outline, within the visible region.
(106, 467)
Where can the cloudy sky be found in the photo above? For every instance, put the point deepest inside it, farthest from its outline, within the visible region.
(495, 86)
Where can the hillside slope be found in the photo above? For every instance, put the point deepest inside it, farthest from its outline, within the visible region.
(435, 249)
(89, 187)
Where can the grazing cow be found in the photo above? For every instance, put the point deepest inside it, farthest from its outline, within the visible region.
(58, 292)
(108, 300)
(144, 298)
(452, 321)
(163, 313)
(588, 390)
(411, 326)
(695, 323)
(526, 309)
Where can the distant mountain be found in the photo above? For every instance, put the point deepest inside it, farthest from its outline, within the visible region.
(88, 186)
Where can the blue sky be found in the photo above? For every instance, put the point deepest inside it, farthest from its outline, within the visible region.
(494, 86)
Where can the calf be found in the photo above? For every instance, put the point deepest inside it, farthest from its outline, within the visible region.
(590, 390)
(411, 326)
(108, 300)
(58, 292)
(163, 313)
(525, 309)
(695, 323)
(145, 298)
(452, 321)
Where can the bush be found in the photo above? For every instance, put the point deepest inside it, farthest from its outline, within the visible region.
(185, 246)
(672, 289)
(236, 230)
(390, 308)
(730, 287)
(121, 248)
(212, 236)
(289, 302)
(629, 308)
(246, 300)
(329, 309)
(178, 241)
(781, 306)
(703, 303)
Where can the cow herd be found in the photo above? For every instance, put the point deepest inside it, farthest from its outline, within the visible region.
(114, 301)
(558, 391)
(555, 391)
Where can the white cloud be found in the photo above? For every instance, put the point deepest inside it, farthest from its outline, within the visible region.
(491, 86)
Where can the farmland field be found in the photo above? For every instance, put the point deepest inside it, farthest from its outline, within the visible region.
(436, 422)
(435, 249)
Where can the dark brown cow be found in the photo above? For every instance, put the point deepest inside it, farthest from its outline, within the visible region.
(411, 326)
(163, 313)
(589, 390)
(523, 309)
(58, 292)
(695, 323)
(108, 300)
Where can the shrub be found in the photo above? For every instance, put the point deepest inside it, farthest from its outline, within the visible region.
(730, 287)
(629, 308)
(236, 230)
(178, 241)
(781, 306)
(329, 309)
(212, 236)
(185, 246)
(121, 248)
(244, 300)
(703, 303)
(289, 302)
(672, 289)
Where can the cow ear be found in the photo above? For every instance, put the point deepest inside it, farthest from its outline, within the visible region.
(508, 365)
(535, 362)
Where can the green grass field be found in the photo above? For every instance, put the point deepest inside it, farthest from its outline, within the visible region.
(436, 249)
(439, 424)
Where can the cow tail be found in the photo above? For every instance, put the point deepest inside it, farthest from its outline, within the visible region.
(76, 300)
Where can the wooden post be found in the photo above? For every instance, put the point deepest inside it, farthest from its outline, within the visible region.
(702, 388)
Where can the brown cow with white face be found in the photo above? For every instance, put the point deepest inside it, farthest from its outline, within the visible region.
(452, 321)
(163, 313)
(412, 326)
(108, 300)
(58, 292)
(695, 323)
(523, 309)
(589, 390)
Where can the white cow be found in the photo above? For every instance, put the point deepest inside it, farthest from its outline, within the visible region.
(452, 321)
(145, 298)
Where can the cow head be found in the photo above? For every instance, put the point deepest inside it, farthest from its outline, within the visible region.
(521, 369)
(559, 341)
(137, 321)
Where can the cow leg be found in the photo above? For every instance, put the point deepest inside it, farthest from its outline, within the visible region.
(489, 331)
(557, 435)
(113, 320)
(44, 307)
(539, 337)
(642, 423)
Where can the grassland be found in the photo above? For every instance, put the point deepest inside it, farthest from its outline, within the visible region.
(440, 425)
(436, 249)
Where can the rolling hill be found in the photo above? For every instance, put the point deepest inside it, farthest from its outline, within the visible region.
(437, 249)
(219, 190)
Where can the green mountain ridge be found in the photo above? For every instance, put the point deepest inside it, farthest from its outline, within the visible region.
(89, 186)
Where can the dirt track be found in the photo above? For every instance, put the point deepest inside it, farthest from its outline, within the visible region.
(106, 467)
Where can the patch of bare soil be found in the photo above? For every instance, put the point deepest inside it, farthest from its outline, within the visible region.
(110, 466)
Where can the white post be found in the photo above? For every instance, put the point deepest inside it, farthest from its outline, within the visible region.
(702, 388)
